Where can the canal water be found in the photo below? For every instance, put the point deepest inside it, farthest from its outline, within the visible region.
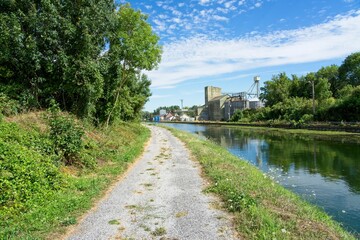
(324, 172)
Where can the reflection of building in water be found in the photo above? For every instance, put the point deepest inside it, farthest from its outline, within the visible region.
(260, 151)
(221, 106)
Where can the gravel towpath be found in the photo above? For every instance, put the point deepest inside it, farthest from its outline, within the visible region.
(161, 197)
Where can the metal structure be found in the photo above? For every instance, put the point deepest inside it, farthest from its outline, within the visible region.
(254, 91)
(221, 106)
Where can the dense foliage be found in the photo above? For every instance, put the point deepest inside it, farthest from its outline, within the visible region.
(330, 94)
(87, 55)
(65, 135)
(27, 170)
(40, 192)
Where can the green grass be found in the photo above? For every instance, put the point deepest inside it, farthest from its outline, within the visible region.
(114, 222)
(262, 209)
(49, 216)
(159, 231)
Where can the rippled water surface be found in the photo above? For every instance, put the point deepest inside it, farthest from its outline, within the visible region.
(324, 172)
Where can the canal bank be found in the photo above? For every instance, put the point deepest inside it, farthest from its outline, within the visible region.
(323, 173)
(320, 126)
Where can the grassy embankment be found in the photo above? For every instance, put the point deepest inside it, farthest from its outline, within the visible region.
(262, 209)
(40, 197)
(311, 127)
(339, 136)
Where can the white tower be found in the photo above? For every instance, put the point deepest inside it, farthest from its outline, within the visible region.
(256, 82)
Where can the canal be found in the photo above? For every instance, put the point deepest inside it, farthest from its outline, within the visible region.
(324, 172)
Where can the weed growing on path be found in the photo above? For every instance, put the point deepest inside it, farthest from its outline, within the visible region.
(160, 231)
(114, 222)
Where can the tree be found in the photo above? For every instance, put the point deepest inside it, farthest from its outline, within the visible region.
(53, 47)
(146, 115)
(277, 90)
(347, 109)
(349, 71)
(299, 87)
(19, 55)
(331, 74)
(133, 47)
(87, 25)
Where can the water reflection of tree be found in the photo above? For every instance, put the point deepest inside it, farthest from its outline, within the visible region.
(226, 137)
(333, 160)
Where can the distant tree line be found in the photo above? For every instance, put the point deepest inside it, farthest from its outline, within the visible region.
(330, 94)
(168, 109)
(86, 55)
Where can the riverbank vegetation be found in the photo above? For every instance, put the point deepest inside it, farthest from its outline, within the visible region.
(262, 209)
(330, 94)
(54, 167)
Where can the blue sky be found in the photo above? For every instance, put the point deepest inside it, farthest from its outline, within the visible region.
(225, 43)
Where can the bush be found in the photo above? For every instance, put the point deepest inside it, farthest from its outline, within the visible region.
(26, 175)
(238, 114)
(259, 114)
(8, 106)
(291, 109)
(306, 118)
(347, 109)
(66, 136)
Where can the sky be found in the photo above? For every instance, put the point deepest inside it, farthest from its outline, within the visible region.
(225, 43)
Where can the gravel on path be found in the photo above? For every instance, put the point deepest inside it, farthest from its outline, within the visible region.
(161, 197)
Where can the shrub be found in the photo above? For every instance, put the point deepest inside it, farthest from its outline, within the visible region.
(8, 106)
(238, 114)
(26, 175)
(66, 135)
(306, 118)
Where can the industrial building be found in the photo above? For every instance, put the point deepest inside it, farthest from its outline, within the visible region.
(221, 106)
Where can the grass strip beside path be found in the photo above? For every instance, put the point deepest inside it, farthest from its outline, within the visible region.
(262, 208)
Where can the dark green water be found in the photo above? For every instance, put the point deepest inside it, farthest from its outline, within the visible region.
(324, 172)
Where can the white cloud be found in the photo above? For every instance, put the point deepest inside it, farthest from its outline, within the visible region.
(229, 3)
(176, 20)
(204, 2)
(163, 16)
(160, 25)
(258, 4)
(159, 3)
(200, 57)
(220, 18)
(222, 10)
(176, 13)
